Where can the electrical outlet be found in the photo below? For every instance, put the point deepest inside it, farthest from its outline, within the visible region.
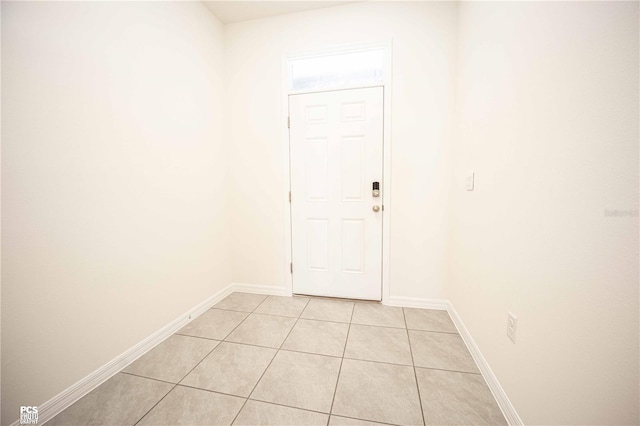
(512, 325)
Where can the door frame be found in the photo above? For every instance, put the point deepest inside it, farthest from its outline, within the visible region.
(386, 142)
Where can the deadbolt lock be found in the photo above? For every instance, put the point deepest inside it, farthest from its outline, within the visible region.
(375, 190)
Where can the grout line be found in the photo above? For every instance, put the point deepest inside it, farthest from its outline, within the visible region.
(273, 315)
(309, 353)
(198, 337)
(260, 304)
(263, 300)
(378, 362)
(381, 326)
(230, 310)
(435, 331)
(364, 420)
(279, 404)
(234, 328)
(324, 320)
(212, 391)
(156, 404)
(294, 325)
(346, 341)
(415, 374)
(249, 344)
(270, 362)
(149, 378)
(449, 371)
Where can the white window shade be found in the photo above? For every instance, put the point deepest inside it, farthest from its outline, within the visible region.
(359, 68)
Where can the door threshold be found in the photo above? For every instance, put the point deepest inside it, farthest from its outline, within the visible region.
(345, 299)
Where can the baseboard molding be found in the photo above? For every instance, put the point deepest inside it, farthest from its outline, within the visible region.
(499, 394)
(415, 302)
(260, 289)
(66, 398)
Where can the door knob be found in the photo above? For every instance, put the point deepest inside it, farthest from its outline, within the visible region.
(376, 209)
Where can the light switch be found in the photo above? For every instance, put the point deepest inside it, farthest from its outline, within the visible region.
(469, 181)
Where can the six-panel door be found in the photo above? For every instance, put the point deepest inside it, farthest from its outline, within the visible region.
(335, 156)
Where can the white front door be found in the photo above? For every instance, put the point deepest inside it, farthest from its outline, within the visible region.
(336, 221)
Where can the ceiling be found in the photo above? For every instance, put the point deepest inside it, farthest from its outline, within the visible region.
(238, 10)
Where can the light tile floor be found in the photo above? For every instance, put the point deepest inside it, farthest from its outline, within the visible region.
(269, 360)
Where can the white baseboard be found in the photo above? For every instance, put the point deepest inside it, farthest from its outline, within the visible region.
(261, 289)
(415, 302)
(66, 398)
(499, 394)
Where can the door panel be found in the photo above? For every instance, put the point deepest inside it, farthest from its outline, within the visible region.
(317, 169)
(352, 168)
(317, 244)
(353, 245)
(335, 156)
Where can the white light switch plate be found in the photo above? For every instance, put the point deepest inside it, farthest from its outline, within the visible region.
(470, 181)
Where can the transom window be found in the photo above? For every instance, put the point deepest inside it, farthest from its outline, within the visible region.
(356, 68)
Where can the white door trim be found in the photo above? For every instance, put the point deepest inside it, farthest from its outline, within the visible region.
(386, 141)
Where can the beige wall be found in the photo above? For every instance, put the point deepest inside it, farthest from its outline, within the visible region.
(424, 36)
(113, 183)
(548, 120)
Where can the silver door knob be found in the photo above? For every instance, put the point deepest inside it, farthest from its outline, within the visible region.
(376, 209)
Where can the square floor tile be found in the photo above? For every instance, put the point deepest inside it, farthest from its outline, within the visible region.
(457, 398)
(345, 421)
(213, 324)
(443, 351)
(377, 314)
(318, 337)
(378, 344)
(244, 302)
(265, 414)
(377, 392)
(328, 310)
(429, 320)
(231, 368)
(283, 306)
(186, 406)
(121, 400)
(172, 359)
(299, 380)
(262, 330)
